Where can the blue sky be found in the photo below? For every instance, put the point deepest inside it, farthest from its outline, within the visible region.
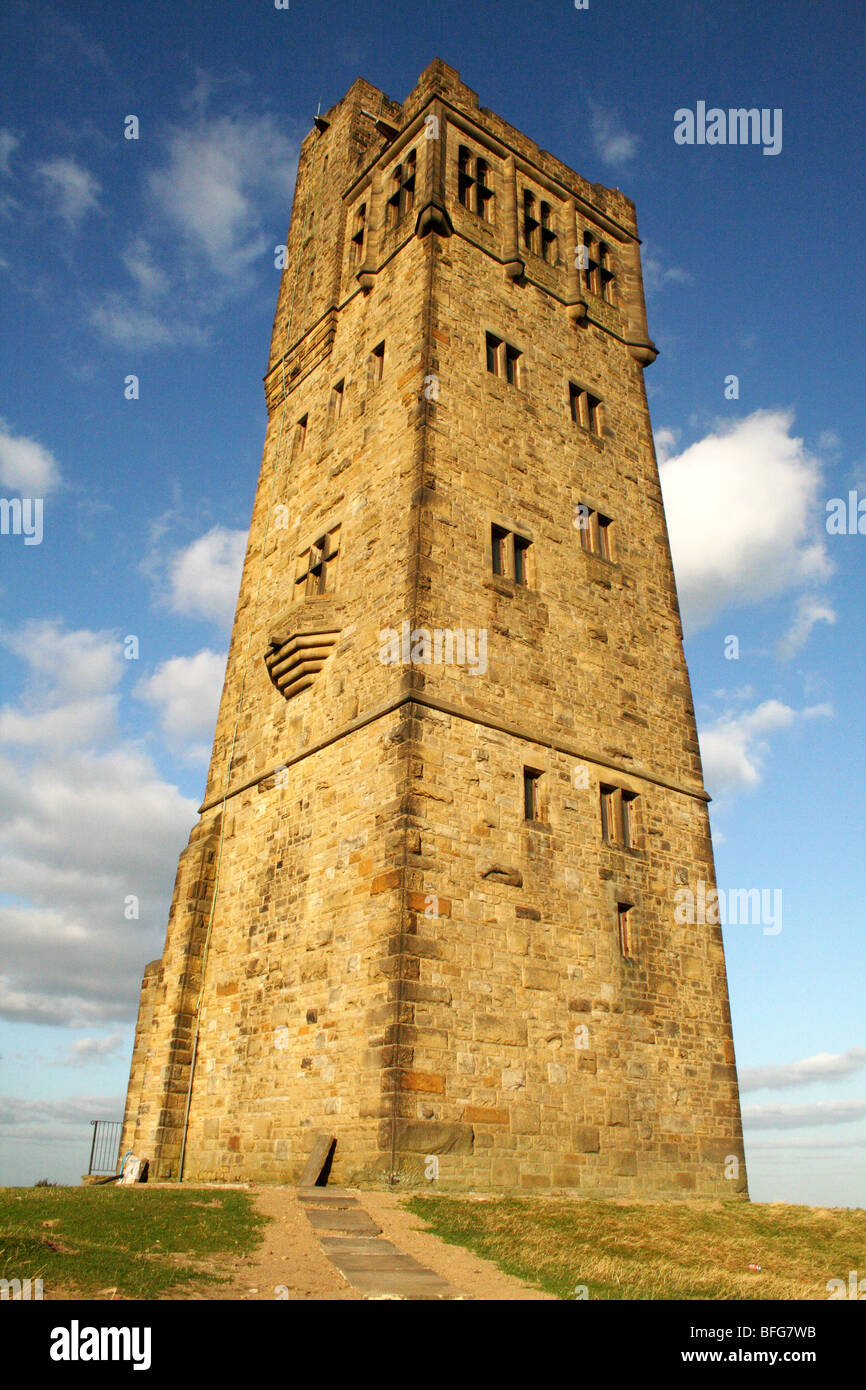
(155, 257)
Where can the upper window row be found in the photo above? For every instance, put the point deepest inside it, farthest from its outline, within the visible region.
(475, 193)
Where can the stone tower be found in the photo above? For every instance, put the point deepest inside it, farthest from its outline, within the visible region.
(429, 906)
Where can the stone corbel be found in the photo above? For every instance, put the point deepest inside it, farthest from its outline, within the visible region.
(645, 353)
(514, 265)
(640, 345)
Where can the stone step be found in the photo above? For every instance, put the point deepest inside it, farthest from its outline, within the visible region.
(354, 1222)
(320, 1197)
(375, 1267)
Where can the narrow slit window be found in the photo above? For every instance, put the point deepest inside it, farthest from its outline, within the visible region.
(359, 235)
(464, 177)
(402, 198)
(531, 797)
(484, 193)
(628, 819)
(509, 554)
(618, 818)
(521, 546)
(586, 409)
(596, 532)
(530, 222)
(407, 197)
(624, 913)
(377, 363)
(337, 394)
(609, 825)
(548, 236)
(605, 536)
(605, 273)
(498, 543)
(301, 433)
(503, 359)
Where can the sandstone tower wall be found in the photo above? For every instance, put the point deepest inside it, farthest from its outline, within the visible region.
(374, 932)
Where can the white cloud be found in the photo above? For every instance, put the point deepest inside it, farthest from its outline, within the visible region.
(824, 1066)
(826, 1112)
(666, 441)
(26, 467)
(50, 1138)
(613, 143)
(139, 262)
(32, 1119)
(734, 748)
(205, 577)
(68, 663)
(657, 273)
(223, 176)
(86, 1050)
(8, 145)
(69, 701)
(85, 824)
(186, 691)
(829, 443)
(808, 612)
(71, 189)
(121, 319)
(743, 512)
(824, 711)
(208, 224)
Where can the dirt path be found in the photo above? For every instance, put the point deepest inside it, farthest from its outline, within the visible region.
(292, 1259)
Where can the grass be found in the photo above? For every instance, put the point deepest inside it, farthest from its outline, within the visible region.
(141, 1242)
(663, 1250)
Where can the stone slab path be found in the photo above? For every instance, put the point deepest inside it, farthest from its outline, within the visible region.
(353, 1242)
(292, 1262)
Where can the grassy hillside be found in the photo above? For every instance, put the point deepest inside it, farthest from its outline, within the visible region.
(662, 1250)
(125, 1242)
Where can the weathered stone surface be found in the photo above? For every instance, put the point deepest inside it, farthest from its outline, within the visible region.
(430, 1137)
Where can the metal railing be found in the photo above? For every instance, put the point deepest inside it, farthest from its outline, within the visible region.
(105, 1146)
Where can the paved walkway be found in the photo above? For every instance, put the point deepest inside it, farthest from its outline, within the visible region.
(353, 1242)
